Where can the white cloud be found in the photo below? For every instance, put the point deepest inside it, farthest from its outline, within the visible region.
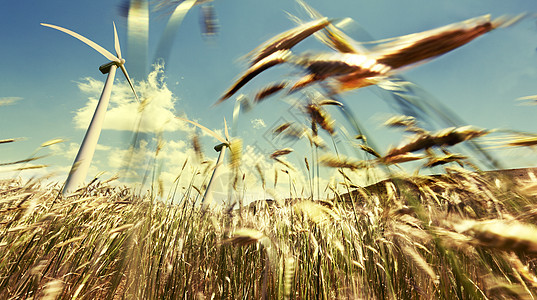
(65, 150)
(258, 123)
(120, 158)
(156, 112)
(70, 150)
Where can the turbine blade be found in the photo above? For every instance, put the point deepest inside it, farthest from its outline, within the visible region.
(212, 133)
(86, 41)
(116, 42)
(226, 133)
(122, 67)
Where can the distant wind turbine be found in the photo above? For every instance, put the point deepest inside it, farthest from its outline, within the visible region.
(221, 149)
(80, 167)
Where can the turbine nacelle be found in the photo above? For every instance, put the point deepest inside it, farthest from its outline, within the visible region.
(105, 69)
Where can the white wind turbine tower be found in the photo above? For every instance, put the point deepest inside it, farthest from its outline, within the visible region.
(80, 167)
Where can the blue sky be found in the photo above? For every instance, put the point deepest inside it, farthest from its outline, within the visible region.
(48, 71)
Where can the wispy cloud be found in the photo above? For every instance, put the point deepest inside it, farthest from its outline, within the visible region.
(9, 100)
(32, 171)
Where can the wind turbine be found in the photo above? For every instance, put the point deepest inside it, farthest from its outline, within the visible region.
(221, 149)
(80, 167)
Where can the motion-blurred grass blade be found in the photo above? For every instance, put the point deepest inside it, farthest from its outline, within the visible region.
(269, 91)
(210, 21)
(226, 133)
(170, 31)
(236, 111)
(52, 142)
(24, 160)
(287, 40)
(5, 141)
(274, 59)
(332, 36)
(410, 49)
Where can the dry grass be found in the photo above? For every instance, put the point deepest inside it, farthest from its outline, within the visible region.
(461, 235)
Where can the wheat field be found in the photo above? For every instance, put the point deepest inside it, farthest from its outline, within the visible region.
(462, 235)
